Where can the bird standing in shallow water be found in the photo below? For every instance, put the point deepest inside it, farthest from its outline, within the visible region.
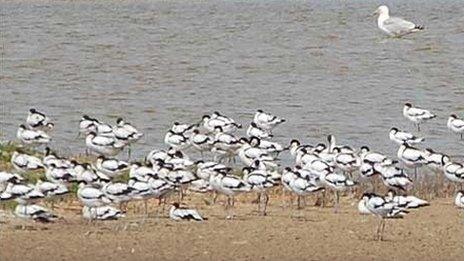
(417, 115)
(394, 26)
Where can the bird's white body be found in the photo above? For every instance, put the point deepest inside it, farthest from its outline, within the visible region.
(401, 137)
(23, 162)
(394, 26)
(34, 212)
(102, 213)
(176, 213)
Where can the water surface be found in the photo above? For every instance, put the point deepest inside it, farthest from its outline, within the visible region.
(323, 65)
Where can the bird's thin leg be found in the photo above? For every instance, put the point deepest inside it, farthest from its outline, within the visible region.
(214, 197)
(299, 202)
(181, 194)
(145, 205)
(283, 199)
(323, 199)
(461, 135)
(418, 127)
(377, 234)
(228, 208)
(337, 201)
(258, 200)
(383, 228)
(266, 200)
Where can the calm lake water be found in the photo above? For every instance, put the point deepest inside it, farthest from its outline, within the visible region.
(323, 65)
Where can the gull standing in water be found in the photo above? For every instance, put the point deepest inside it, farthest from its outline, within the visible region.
(394, 26)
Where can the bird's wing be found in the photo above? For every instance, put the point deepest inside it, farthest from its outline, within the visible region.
(399, 26)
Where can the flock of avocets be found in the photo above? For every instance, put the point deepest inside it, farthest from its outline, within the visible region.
(163, 172)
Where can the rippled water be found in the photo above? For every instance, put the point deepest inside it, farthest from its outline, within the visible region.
(323, 65)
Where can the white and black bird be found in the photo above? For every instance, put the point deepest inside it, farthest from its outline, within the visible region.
(140, 172)
(434, 159)
(117, 192)
(336, 182)
(347, 162)
(293, 181)
(24, 194)
(383, 209)
(50, 189)
(125, 131)
(24, 162)
(271, 147)
(453, 171)
(111, 167)
(200, 186)
(394, 177)
(369, 162)
(102, 213)
(401, 137)
(363, 210)
(297, 149)
(206, 169)
(405, 202)
(256, 131)
(210, 123)
(87, 173)
(155, 155)
(104, 145)
(32, 137)
(92, 197)
(201, 142)
(248, 154)
(178, 213)
(266, 121)
(37, 120)
(51, 157)
(60, 174)
(456, 124)
(225, 145)
(416, 114)
(259, 181)
(182, 128)
(88, 124)
(175, 140)
(6, 177)
(230, 186)
(412, 157)
(35, 212)
(459, 199)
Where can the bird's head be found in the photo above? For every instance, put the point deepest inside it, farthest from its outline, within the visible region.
(381, 10)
